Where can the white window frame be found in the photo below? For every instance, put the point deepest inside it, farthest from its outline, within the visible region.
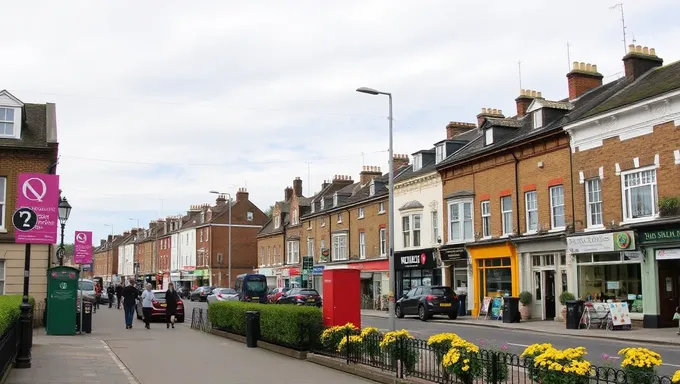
(460, 237)
(362, 245)
(440, 153)
(417, 162)
(488, 136)
(530, 209)
(310, 246)
(293, 256)
(321, 203)
(277, 221)
(624, 199)
(553, 225)
(590, 204)
(337, 247)
(16, 123)
(250, 216)
(506, 217)
(381, 207)
(322, 245)
(360, 213)
(537, 118)
(434, 217)
(296, 217)
(339, 218)
(3, 275)
(335, 199)
(3, 203)
(382, 236)
(207, 233)
(201, 236)
(371, 188)
(406, 231)
(269, 254)
(262, 256)
(485, 209)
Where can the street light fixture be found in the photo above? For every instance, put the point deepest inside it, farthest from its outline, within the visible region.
(392, 315)
(109, 261)
(64, 213)
(229, 247)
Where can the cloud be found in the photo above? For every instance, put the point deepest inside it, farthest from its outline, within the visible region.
(159, 102)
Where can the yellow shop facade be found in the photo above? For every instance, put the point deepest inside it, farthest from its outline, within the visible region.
(495, 271)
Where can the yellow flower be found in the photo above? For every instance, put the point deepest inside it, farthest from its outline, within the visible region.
(392, 337)
(353, 340)
(535, 349)
(640, 358)
(676, 377)
(368, 331)
(441, 338)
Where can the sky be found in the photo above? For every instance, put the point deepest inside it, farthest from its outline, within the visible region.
(160, 102)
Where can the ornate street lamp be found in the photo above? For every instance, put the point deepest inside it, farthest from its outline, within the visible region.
(64, 213)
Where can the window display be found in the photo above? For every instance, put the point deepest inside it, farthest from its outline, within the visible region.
(617, 282)
(495, 277)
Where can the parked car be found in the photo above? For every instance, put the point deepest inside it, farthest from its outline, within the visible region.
(426, 302)
(201, 293)
(223, 294)
(275, 294)
(301, 296)
(159, 305)
(183, 292)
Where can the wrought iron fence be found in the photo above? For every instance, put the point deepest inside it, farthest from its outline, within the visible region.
(9, 346)
(200, 320)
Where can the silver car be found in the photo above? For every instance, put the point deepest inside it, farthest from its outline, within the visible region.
(222, 294)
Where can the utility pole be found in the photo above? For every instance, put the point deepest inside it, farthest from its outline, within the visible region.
(623, 26)
(568, 56)
(519, 68)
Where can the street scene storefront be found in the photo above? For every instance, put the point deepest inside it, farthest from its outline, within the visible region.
(270, 274)
(317, 281)
(415, 268)
(289, 277)
(202, 277)
(456, 270)
(495, 272)
(660, 247)
(609, 268)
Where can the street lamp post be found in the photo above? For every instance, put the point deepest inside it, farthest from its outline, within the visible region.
(390, 225)
(109, 261)
(64, 213)
(229, 247)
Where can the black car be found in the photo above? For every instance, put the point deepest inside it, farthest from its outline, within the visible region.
(301, 296)
(201, 293)
(427, 302)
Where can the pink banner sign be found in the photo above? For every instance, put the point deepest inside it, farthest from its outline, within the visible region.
(40, 193)
(82, 248)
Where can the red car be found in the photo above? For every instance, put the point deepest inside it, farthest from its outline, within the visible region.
(275, 294)
(159, 305)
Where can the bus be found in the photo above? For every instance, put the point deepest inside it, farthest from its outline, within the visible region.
(251, 287)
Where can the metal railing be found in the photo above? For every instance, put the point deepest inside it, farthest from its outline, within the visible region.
(9, 346)
(200, 320)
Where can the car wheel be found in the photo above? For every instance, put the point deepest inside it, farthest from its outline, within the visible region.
(453, 316)
(422, 313)
(397, 311)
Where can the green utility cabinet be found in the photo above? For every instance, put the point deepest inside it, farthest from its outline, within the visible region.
(62, 293)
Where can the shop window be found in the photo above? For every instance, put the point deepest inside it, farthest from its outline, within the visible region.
(563, 259)
(620, 282)
(339, 251)
(594, 203)
(536, 260)
(460, 221)
(549, 260)
(557, 207)
(495, 277)
(639, 194)
(506, 214)
(531, 203)
(486, 219)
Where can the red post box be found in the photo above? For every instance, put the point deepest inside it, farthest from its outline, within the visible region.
(341, 297)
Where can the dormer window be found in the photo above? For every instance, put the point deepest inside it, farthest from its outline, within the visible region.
(277, 221)
(417, 162)
(313, 206)
(322, 202)
(440, 153)
(9, 122)
(537, 116)
(371, 189)
(335, 199)
(488, 136)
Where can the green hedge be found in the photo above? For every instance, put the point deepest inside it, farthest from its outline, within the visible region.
(9, 311)
(288, 325)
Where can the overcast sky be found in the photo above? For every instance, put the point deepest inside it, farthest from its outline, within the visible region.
(159, 102)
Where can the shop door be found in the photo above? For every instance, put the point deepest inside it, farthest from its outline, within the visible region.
(669, 279)
(549, 299)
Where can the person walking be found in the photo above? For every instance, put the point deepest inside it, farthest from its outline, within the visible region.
(171, 299)
(110, 291)
(147, 305)
(119, 293)
(97, 296)
(130, 295)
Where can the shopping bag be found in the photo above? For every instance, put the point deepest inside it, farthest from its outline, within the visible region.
(172, 319)
(676, 316)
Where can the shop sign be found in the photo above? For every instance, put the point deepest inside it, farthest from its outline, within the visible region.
(318, 270)
(189, 267)
(417, 260)
(662, 235)
(668, 254)
(453, 254)
(381, 265)
(603, 242)
(266, 271)
(199, 272)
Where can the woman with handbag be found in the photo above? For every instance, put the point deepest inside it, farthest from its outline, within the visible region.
(171, 299)
(676, 316)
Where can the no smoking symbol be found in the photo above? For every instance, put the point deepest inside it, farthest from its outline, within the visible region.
(24, 219)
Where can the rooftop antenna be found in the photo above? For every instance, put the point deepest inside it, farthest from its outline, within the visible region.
(634, 41)
(568, 56)
(623, 26)
(309, 178)
(363, 159)
(519, 69)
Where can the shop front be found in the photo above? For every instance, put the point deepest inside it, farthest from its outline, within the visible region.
(495, 272)
(609, 268)
(290, 277)
(543, 272)
(270, 274)
(202, 277)
(374, 281)
(416, 268)
(660, 247)
(455, 266)
(317, 280)
(186, 279)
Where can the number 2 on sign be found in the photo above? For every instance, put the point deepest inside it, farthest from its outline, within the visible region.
(26, 215)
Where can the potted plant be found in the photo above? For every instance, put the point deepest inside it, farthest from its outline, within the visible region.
(564, 297)
(525, 299)
(669, 206)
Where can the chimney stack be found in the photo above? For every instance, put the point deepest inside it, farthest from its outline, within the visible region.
(325, 184)
(524, 100)
(400, 160)
(640, 60)
(242, 195)
(297, 187)
(102, 242)
(134, 231)
(369, 173)
(488, 112)
(582, 78)
(110, 238)
(126, 233)
(221, 200)
(342, 179)
(287, 193)
(456, 128)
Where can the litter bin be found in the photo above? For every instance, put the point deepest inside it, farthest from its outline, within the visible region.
(252, 328)
(511, 310)
(574, 313)
(462, 308)
(87, 318)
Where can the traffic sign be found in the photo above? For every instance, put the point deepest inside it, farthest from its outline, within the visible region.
(38, 192)
(24, 219)
(82, 249)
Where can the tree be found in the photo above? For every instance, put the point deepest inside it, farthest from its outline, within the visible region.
(269, 211)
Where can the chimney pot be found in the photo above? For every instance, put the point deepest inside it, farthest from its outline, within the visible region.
(652, 51)
(483, 110)
(638, 48)
(631, 48)
(594, 68)
(645, 50)
(640, 61)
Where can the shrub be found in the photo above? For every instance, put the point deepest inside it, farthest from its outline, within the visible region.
(669, 206)
(463, 360)
(566, 296)
(676, 377)
(640, 364)
(554, 366)
(525, 298)
(371, 342)
(332, 336)
(287, 325)
(9, 311)
(441, 344)
(398, 345)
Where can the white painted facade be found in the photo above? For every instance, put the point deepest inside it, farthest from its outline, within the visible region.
(126, 259)
(187, 249)
(427, 190)
(174, 252)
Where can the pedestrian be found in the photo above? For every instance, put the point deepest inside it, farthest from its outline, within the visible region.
(147, 305)
(97, 296)
(171, 299)
(110, 291)
(130, 295)
(119, 293)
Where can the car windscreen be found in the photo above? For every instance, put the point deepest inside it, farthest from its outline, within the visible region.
(256, 285)
(442, 291)
(86, 285)
(309, 292)
(159, 295)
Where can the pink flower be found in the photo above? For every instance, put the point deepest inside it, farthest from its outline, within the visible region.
(504, 347)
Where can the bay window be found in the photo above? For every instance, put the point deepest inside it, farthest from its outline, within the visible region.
(639, 194)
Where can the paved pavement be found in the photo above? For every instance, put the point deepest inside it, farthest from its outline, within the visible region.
(114, 355)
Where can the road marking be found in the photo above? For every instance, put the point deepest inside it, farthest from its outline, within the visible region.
(671, 365)
(518, 345)
(126, 371)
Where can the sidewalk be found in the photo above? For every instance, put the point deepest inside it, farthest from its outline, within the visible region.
(666, 336)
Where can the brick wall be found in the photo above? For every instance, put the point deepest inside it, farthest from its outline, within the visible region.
(271, 242)
(370, 225)
(163, 262)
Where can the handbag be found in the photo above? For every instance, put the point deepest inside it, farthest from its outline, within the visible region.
(172, 318)
(676, 316)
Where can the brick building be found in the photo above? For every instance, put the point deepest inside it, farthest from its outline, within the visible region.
(28, 144)
(626, 167)
(145, 253)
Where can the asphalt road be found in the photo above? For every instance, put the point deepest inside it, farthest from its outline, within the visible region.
(516, 341)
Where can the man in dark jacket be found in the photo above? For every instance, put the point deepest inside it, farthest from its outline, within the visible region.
(171, 299)
(119, 293)
(110, 291)
(130, 295)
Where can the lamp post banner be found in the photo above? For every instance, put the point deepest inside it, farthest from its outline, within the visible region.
(40, 193)
(82, 248)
